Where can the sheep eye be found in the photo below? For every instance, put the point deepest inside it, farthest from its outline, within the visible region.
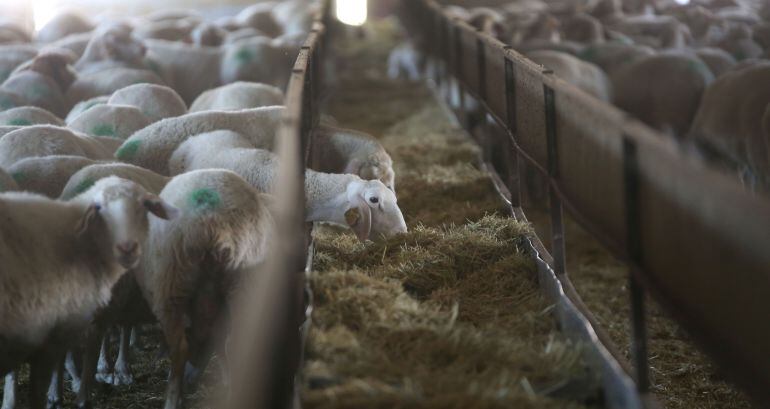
(374, 199)
(97, 207)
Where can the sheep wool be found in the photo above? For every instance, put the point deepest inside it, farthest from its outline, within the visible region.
(44, 140)
(155, 101)
(114, 121)
(238, 95)
(47, 175)
(29, 115)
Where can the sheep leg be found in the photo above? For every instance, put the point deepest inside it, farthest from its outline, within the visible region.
(104, 369)
(55, 388)
(135, 340)
(90, 362)
(177, 341)
(9, 391)
(122, 375)
(41, 367)
(71, 365)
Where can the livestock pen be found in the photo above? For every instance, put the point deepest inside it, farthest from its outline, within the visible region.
(475, 306)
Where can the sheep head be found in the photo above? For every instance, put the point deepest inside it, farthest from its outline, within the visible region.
(373, 211)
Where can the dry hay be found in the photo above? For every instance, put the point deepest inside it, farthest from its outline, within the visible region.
(447, 315)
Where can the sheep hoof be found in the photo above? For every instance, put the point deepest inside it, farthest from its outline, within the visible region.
(104, 377)
(122, 377)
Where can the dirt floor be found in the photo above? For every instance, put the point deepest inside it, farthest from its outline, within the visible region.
(449, 314)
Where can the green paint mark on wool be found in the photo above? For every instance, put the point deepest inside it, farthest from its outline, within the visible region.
(699, 67)
(39, 91)
(127, 150)
(19, 177)
(103, 130)
(84, 185)
(152, 65)
(19, 122)
(204, 199)
(244, 56)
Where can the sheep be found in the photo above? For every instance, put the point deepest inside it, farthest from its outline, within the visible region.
(155, 101)
(74, 43)
(11, 33)
(368, 207)
(662, 90)
(188, 69)
(60, 269)
(115, 121)
(171, 30)
(152, 146)
(405, 61)
(348, 151)
(581, 74)
(295, 16)
(44, 140)
(190, 265)
(10, 100)
(259, 59)
(107, 81)
(83, 106)
(11, 56)
(740, 44)
(208, 35)
(63, 25)
(113, 46)
(29, 115)
(47, 175)
(611, 57)
(733, 120)
(718, 60)
(43, 82)
(583, 28)
(242, 34)
(238, 95)
(6, 182)
(660, 32)
(260, 17)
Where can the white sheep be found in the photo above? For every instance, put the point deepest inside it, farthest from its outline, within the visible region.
(188, 69)
(110, 47)
(63, 25)
(83, 106)
(60, 268)
(29, 115)
(44, 140)
(178, 30)
(43, 81)
(367, 207)
(107, 81)
(155, 101)
(582, 74)
(114, 121)
(190, 265)
(47, 175)
(11, 56)
(6, 182)
(86, 177)
(259, 59)
(152, 146)
(74, 43)
(341, 150)
(260, 17)
(208, 35)
(12, 33)
(238, 95)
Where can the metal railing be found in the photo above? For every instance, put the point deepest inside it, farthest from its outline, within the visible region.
(691, 236)
(267, 335)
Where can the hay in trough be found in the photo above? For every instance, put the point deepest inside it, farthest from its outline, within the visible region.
(449, 314)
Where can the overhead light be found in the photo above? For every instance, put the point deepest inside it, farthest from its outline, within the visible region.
(351, 12)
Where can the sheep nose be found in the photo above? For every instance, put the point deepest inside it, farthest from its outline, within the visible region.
(128, 247)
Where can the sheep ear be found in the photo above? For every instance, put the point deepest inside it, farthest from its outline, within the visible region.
(160, 208)
(359, 218)
(86, 219)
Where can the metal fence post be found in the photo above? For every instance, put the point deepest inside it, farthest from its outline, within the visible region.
(558, 250)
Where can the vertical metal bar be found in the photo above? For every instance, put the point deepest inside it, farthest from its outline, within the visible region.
(557, 222)
(481, 63)
(514, 177)
(634, 248)
(459, 79)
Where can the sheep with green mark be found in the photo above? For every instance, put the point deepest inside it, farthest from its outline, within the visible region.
(259, 59)
(195, 262)
(84, 106)
(369, 208)
(718, 61)
(107, 81)
(45, 140)
(155, 101)
(47, 175)
(12, 56)
(114, 121)
(152, 146)
(236, 96)
(148, 179)
(29, 115)
(61, 260)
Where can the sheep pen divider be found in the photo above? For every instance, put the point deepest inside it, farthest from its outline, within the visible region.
(680, 226)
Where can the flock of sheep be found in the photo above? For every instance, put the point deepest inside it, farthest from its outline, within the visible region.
(122, 207)
(698, 72)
